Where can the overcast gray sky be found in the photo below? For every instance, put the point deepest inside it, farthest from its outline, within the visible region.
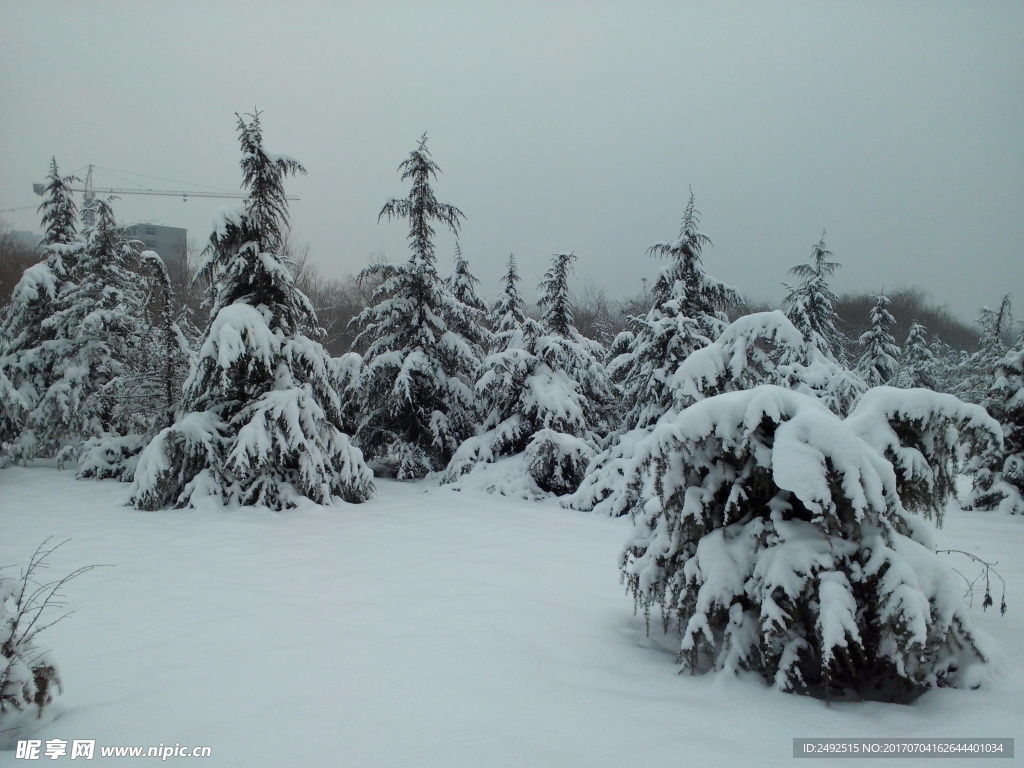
(896, 126)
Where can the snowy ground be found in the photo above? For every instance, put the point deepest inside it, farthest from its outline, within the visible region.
(424, 628)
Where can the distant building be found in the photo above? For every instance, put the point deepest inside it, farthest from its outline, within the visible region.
(171, 243)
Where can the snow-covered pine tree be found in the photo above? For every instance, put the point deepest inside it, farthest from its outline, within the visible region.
(26, 348)
(415, 390)
(756, 349)
(95, 330)
(569, 350)
(949, 365)
(534, 409)
(976, 376)
(150, 389)
(462, 284)
(879, 360)
(918, 363)
(810, 304)
(59, 213)
(999, 480)
(508, 312)
(774, 539)
(168, 354)
(12, 410)
(261, 416)
(686, 315)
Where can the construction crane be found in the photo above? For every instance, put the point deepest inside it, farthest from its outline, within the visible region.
(90, 192)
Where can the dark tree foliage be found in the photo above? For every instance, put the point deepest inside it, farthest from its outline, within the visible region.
(421, 207)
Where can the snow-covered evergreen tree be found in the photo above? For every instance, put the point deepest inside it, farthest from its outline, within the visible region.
(59, 213)
(948, 367)
(774, 539)
(756, 349)
(999, 480)
(27, 351)
(150, 389)
(764, 348)
(917, 368)
(94, 331)
(879, 360)
(415, 390)
(579, 357)
(261, 418)
(508, 312)
(976, 376)
(810, 304)
(686, 315)
(463, 286)
(167, 354)
(536, 410)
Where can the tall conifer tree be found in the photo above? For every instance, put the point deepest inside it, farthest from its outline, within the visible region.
(261, 421)
(916, 369)
(687, 314)
(810, 305)
(416, 399)
(27, 351)
(879, 360)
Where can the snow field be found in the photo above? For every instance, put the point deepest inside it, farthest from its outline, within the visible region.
(426, 627)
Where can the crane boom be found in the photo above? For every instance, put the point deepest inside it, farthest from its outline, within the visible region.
(90, 193)
(141, 191)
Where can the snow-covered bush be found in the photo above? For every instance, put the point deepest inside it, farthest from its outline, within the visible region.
(929, 438)
(29, 677)
(760, 348)
(774, 540)
(262, 417)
